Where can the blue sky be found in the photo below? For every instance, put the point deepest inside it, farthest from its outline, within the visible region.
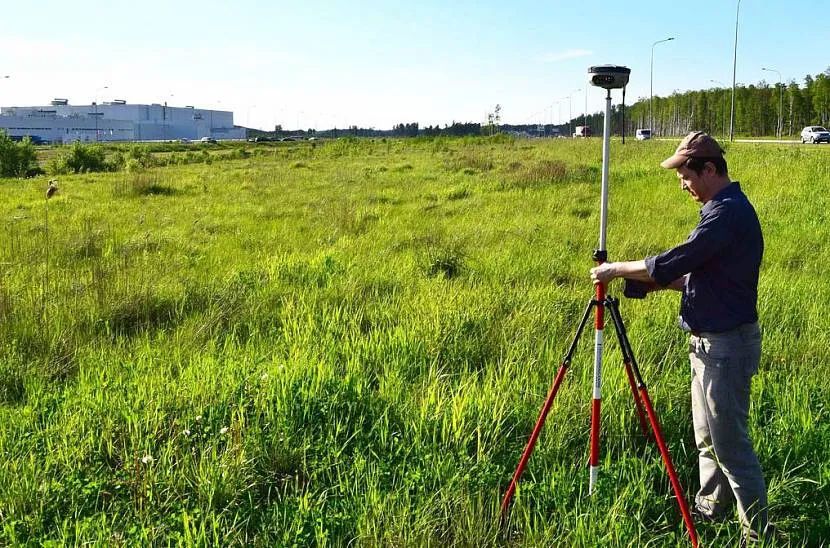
(373, 64)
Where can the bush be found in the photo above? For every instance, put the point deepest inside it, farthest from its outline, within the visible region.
(79, 159)
(17, 159)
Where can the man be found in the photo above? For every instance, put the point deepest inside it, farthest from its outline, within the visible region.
(717, 271)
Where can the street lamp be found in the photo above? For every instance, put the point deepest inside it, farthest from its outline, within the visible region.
(164, 119)
(651, 82)
(780, 127)
(570, 110)
(585, 113)
(248, 116)
(734, 65)
(723, 110)
(95, 104)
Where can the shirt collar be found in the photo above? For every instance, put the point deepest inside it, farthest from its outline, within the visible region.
(732, 189)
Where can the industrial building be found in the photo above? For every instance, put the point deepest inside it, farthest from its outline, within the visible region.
(116, 120)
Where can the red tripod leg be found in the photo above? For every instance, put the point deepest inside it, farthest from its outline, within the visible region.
(664, 452)
(637, 401)
(531, 443)
(625, 344)
(540, 422)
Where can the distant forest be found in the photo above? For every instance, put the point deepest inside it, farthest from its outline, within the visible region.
(761, 109)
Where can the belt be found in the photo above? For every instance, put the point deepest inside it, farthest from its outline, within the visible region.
(702, 333)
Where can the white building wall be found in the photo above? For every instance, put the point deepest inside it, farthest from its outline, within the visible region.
(148, 122)
(67, 129)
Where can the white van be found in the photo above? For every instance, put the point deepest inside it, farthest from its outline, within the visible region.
(643, 134)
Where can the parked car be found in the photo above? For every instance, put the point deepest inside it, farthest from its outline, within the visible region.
(643, 134)
(815, 134)
(207, 140)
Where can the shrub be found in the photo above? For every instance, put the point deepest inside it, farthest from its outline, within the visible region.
(17, 159)
(142, 183)
(80, 158)
(537, 175)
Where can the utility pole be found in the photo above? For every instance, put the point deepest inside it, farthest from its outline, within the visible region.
(723, 109)
(734, 66)
(780, 125)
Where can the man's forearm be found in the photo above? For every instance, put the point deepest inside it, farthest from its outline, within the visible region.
(633, 270)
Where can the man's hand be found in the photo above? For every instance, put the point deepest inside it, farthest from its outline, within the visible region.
(604, 273)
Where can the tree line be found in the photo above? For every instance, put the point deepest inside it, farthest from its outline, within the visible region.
(761, 109)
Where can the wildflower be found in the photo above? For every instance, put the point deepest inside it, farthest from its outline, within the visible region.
(264, 376)
(223, 430)
(147, 459)
(198, 418)
(186, 432)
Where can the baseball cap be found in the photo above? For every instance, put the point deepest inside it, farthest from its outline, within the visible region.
(697, 144)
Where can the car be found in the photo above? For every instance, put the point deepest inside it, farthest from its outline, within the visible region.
(184, 141)
(815, 134)
(207, 140)
(643, 134)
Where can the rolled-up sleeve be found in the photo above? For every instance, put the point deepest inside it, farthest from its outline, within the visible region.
(708, 239)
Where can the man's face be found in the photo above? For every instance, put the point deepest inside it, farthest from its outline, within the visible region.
(696, 185)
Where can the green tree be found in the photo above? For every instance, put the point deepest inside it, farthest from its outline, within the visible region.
(17, 159)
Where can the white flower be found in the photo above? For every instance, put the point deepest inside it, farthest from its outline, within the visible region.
(198, 418)
(186, 432)
(264, 376)
(147, 459)
(223, 430)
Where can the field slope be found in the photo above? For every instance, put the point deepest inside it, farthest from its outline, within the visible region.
(349, 343)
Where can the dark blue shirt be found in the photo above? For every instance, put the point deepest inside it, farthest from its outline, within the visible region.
(722, 257)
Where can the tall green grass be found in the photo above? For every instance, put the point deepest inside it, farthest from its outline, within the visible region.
(350, 343)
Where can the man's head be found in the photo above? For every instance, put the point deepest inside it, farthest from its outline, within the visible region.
(700, 166)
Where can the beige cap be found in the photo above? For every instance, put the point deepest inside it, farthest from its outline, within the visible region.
(697, 144)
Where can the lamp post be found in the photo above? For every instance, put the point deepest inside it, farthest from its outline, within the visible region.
(164, 119)
(651, 82)
(570, 110)
(780, 125)
(95, 104)
(734, 66)
(4, 77)
(723, 109)
(585, 113)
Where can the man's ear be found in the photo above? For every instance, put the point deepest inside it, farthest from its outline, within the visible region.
(710, 169)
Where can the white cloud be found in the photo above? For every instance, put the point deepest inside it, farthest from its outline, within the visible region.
(563, 55)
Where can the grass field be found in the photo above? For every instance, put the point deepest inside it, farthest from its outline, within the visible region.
(349, 344)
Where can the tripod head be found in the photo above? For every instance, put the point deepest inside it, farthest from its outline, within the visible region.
(609, 76)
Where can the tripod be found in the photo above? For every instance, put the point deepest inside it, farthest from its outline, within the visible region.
(608, 77)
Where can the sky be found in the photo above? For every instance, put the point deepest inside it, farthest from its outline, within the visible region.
(326, 63)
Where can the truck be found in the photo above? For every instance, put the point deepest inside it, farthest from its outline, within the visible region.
(582, 131)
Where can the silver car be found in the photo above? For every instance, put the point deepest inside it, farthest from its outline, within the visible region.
(815, 134)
